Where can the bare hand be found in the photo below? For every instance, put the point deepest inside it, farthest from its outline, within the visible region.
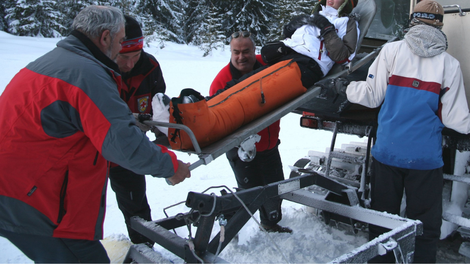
(181, 174)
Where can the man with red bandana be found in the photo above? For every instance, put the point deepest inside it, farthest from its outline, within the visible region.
(142, 78)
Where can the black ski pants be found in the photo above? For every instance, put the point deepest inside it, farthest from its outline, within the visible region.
(130, 191)
(264, 169)
(423, 190)
(44, 249)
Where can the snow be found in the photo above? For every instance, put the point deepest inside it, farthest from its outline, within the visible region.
(185, 67)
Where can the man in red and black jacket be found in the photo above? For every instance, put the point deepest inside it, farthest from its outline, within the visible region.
(266, 167)
(142, 78)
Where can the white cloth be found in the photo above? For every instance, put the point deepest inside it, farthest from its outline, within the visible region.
(161, 110)
(306, 39)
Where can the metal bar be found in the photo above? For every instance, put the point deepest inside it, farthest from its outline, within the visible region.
(177, 126)
(141, 253)
(165, 238)
(459, 178)
(203, 233)
(358, 64)
(403, 230)
(355, 212)
(404, 236)
(236, 223)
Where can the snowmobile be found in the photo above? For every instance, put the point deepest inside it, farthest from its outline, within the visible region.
(334, 183)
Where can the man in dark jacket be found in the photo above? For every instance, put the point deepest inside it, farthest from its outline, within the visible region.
(62, 116)
(142, 78)
(266, 167)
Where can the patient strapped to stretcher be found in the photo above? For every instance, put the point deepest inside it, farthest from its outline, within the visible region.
(307, 53)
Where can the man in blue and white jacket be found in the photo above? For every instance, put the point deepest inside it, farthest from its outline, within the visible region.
(421, 90)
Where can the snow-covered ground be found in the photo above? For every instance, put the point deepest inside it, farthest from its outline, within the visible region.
(183, 66)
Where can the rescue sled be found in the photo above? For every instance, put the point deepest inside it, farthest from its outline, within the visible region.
(342, 198)
(205, 209)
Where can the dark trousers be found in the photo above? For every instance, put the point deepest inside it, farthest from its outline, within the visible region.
(130, 191)
(44, 249)
(265, 168)
(423, 190)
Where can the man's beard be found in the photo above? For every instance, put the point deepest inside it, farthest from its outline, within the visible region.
(109, 52)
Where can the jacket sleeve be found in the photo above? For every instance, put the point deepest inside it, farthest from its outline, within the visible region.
(371, 92)
(454, 113)
(339, 49)
(112, 129)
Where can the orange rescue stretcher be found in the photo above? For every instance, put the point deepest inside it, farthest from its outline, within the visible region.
(255, 96)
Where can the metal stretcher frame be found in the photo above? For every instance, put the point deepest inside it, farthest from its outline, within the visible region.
(216, 149)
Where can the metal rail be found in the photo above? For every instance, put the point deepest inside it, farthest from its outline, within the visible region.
(205, 209)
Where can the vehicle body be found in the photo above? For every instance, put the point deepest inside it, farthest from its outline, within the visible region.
(343, 117)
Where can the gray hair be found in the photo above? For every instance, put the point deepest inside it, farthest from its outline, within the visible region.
(250, 37)
(93, 20)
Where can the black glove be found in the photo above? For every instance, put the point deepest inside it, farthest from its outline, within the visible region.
(322, 23)
(337, 85)
(294, 24)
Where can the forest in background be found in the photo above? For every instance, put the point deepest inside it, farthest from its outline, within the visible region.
(207, 24)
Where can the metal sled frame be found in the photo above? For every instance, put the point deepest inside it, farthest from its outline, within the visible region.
(216, 149)
(206, 209)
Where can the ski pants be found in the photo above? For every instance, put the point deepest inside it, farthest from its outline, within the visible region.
(423, 190)
(264, 169)
(44, 249)
(130, 191)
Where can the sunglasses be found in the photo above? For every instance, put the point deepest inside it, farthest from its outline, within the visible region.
(244, 34)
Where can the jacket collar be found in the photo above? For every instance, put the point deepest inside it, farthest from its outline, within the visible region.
(236, 74)
(95, 51)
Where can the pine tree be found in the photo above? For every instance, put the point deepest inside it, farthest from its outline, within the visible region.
(144, 16)
(70, 9)
(2, 18)
(169, 17)
(40, 18)
(209, 33)
(284, 12)
(249, 15)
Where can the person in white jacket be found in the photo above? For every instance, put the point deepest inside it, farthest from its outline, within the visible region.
(420, 89)
(328, 36)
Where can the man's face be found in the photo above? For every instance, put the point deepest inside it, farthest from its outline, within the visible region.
(127, 61)
(115, 44)
(243, 54)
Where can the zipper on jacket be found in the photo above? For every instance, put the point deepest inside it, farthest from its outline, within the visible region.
(96, 158)
(63, 191)
(32, 190)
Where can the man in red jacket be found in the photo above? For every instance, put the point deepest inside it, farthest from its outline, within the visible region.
(266, 167)
(62, 122)
(142, 78)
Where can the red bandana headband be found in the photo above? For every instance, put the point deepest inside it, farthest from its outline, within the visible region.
(130, 45)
